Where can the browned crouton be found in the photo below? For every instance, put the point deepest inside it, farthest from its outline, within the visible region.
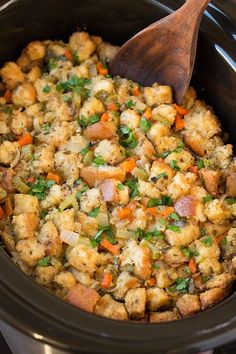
(211, 180)
(163, 316)
(83, 297)
(188, 305)
(135, 302)
(231, 185)
(211, 297)
(110, 308)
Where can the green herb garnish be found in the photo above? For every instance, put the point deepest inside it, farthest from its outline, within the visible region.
(120, 186)
(75, 84)
(207, 198)
(174, 216)
(75, 58)
(161, 175)
(44, 262)
(165, 200)
(40, 187)
(85, 150)
(94, 213)
(145, 124)
(46, 89)
(132, 183)
(173, 228)
(207, 241)
(130, 104)
(81, 191)
(230, 200)
(182, 285)
(127, 138)
(173, 164)
(99, 161)
(200, 164)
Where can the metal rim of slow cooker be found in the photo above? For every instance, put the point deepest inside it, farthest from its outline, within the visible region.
(44, 317)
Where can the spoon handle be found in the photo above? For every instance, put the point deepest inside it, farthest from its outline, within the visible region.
(198, 6)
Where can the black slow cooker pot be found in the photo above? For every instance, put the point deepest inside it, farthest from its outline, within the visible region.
(33, 320)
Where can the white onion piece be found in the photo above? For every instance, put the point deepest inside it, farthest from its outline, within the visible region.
(102, 219)
(69, 237)
(16, 159)
(124, 234)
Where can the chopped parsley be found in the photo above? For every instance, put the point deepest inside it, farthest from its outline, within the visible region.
(75, 58)
(207, 241)
(177, 150)
(75, 84)
(43, 213)
(120, 186)
(156, 266)
(130, 104)
(188, 252)
(230, 200)
(224, 242)
(40, 187)
(173, 228)
(132, 183)
(46, 127)
(173, 164)
(44, 262)
(207, 198)
(144, 124)
(165, 200)
(174, 216)
(85, 150)
(99, 161)
(98, 237)
(84, 122)
(141, 234)
(52, 64)
(202, 231)
(81, 191)
(46, 89)
(200, 164)
(94, 213)
(161, 175)
(116, 261)
(182, 285)
(127, 138)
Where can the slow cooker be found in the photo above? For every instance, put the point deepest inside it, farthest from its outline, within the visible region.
(31, 319)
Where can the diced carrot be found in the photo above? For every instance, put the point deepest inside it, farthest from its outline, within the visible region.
(160, 159)
(68, 55)
(114, 249)
(166, 212)
(192, 266)
(128, 165)
(101, 69)
(148, 113)
(53, 177)
(179, 122)
(8, 96)
(152, 211)
(104, 117)
(25, 140)
(193, 169)
(8, 207)
(219, 239)
(31, 179)
(124, 213)
(151, 281)
(106, 280)
(136, 91)
(113, 107)
(181, 110)
(2, 214)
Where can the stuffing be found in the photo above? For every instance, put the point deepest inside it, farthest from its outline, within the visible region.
(110, 308)
(54, 197)
(125, 281)
(211, 180)
(114, 192)
(174, 257)
(180, 160)
(206, 247)
(30, 251)
(90, 200)
(188, 305)
(43, 161)
(25, 203)
(8, 151)
(58, 133)
(35, 50)
(184, 236)
(65, 280)
(83, 258)
(161, 174)
(110, 151)
(211, 297)
(148, 190)
(91, 106)
(65, 220)
(83, 297)
(216, 212)
(45, 275)
(67, 165)
(24, 95)
(165, 316)
(157, 94)
(135, 302)
(25, 225)
(82, 44)
(11, 75)
(181, 184)
(49, 237)
(157, 298)
(164, 112)
(20, 122)
(222, 156)
(130, 118)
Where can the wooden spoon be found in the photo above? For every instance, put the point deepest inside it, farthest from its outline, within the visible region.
(164, 52)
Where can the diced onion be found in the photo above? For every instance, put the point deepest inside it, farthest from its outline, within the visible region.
(16, 159)
(69, 237)
(102, 219)
(125, 234)
(69, 201)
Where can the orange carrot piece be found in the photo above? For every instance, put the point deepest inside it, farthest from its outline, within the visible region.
(179, 122)
(104, 117)
(31, 179)
(193, 169)
(68, 55)
(192, 266)
(101, 69)
(136, 91)
(113, 107)
(25, 140)
(181, 110)
(53, 177)
(219, 239)
(114, 249)
(152, 211)
(8, 207)
(8, 96)
(148, 113)
(106, 280)
(128, 165)
(166, 212)
(151, 281)
(2, 214)
(124, 213)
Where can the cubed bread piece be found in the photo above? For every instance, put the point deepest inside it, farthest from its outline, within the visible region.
(188, 305)
(110, 308)
(25, 225)
(30, 251)
(25, 203)
(11, 75)
(135, 302)
(84, 258)
(83, 297)
(125, 281)
(45, 275)
(211, 297)
(223, 280)
(184, 237)
(157, 298)
(211, 180)
(49, 237)
(157, 94)
(8, 152)
(165, 316)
